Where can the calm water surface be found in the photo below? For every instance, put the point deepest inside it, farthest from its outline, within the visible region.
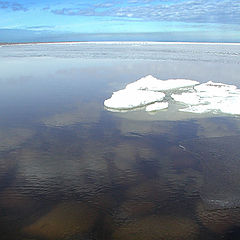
(69, 169)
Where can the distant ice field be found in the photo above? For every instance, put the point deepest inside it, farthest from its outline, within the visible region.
(220, 52)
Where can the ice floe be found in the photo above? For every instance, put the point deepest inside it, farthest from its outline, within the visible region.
(132, 98)
(211, 97)
(153, 84)
(145, 91)
(187, 98)
(211, 89)
(193, 97)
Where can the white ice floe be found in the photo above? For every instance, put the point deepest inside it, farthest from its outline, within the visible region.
(187, 98)
(128, 99)
(197, 109)
(145, 91)
(211, 89)
(231, 106)
(228, 106)
(151, 83)
(156, 106)
(211, 97)
(198, 98)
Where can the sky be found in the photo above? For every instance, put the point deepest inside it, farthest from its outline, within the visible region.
(130, 20)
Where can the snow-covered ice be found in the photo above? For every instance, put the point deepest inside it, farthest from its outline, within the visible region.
(145, 91)
(156, 106)
(128, 99)
(212, 89)
(187, 98)
(211, 97)
(153, 84)
(197, 98)
(196, 109)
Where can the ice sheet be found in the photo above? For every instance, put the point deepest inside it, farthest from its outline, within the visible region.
(196, 109)
(156, 106)
(187, 98)
(217, 98)
(145, 91)
(128, 99)
(211, 97)
(153, 84)
(214, 89)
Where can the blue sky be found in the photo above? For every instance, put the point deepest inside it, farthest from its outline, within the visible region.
(154, 20)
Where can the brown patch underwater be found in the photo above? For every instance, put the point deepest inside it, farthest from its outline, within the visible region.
(157, 228)
(64, 220)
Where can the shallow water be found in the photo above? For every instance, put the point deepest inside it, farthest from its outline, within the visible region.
(70, 169)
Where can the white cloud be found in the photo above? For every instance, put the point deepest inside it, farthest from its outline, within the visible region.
(201, 11)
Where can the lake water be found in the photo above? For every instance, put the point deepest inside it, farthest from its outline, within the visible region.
(70, 169)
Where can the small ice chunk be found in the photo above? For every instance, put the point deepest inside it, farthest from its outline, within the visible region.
(156, 106)
(151, 83)
(132, 98)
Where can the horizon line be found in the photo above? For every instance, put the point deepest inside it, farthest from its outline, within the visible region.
(117, 41)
